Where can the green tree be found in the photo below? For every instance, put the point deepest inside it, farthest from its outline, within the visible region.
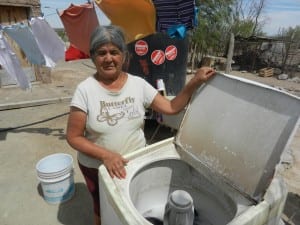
(245, 22)
(219, 22)
(213, 20)
(291, 39)
(246, 17)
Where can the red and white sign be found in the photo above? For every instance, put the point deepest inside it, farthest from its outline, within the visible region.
(171, 52)
(141, 47)
(158, 57)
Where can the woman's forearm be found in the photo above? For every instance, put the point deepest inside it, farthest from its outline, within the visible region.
(87, 147)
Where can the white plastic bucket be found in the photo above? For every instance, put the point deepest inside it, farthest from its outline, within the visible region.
(56, 175)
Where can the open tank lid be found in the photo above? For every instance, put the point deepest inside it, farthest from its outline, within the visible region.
(238, 129)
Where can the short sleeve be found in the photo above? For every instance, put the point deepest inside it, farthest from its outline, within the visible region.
(149, 93)
(79, 99)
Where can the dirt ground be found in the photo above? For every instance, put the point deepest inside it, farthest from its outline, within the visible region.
(291, 85)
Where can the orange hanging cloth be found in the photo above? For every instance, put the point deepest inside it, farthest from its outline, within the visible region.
(136, 17)
(79, 22)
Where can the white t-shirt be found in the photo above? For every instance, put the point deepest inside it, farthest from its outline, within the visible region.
(114, 119)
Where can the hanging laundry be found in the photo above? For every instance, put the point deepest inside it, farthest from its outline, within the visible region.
(175, 14)
(23, 36)
(137, 18)
(51, 46)
(10, 62)
(79, 22)
(73, 53)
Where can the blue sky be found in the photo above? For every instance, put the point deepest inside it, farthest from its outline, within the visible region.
(281, 13)
(278, 13)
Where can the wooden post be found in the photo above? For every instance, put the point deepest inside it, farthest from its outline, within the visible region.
(230, 54)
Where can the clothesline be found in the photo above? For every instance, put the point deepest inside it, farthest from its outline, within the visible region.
(42, 46)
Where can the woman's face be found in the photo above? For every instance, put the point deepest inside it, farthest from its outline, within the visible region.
(109, 61)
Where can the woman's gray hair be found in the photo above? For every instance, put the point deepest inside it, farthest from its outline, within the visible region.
(107, 34)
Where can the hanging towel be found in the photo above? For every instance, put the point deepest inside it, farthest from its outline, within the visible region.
(48, 41)
(136, 17)
(23, 36)
(11, 64)
(171, 13)
(79, 22)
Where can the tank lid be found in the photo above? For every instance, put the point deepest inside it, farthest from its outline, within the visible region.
(238, 129)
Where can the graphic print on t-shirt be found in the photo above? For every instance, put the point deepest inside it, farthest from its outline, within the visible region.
(113, 111)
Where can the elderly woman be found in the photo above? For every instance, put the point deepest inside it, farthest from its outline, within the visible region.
(107, 110)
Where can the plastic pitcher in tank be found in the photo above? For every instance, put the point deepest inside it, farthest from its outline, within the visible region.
(179, 209)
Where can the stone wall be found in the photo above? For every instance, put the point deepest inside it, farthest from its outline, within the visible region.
(20, 2)
(35, 5)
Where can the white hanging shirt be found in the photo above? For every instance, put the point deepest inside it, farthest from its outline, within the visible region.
(23, 36)
(11, 64)
(51, 46)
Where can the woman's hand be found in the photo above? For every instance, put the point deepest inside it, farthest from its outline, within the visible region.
(115, 165)
(203, 74)
(163, 105)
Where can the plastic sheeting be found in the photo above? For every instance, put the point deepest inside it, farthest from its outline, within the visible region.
(158, 56)
(137, 18)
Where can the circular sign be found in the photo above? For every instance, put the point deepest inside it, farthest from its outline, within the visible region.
(171, 52)
(141, 47)
(158, 57)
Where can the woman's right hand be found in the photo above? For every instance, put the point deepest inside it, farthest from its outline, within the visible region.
(115, 164)
(203, 74)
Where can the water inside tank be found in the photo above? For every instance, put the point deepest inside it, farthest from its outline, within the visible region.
(197, 220)
(151, 186)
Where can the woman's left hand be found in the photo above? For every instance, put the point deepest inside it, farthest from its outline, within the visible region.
(115, 164)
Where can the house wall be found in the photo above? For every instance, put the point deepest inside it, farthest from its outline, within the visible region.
(35, 5)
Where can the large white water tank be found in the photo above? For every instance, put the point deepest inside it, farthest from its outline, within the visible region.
(224, 155)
